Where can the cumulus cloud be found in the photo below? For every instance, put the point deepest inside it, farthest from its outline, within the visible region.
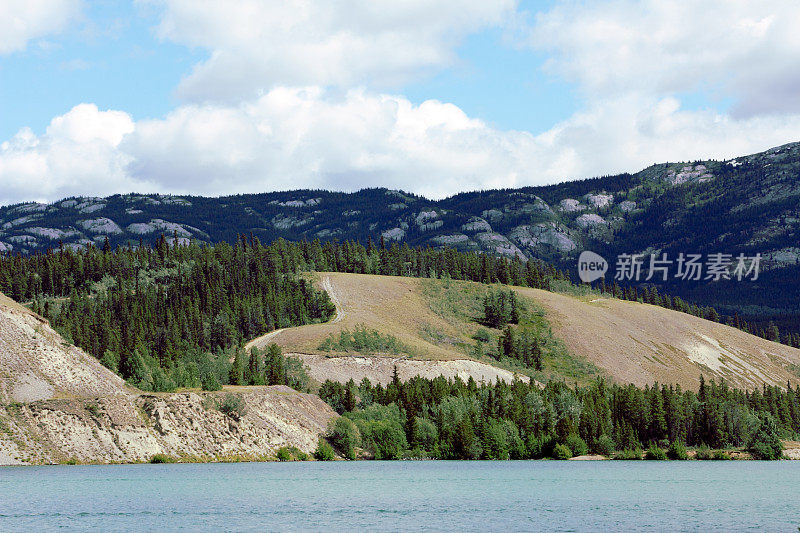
(630, 132)
(78, 154)
(24, 20)
(308, 138)
(735, 49)
(256, 45)
(272, 108)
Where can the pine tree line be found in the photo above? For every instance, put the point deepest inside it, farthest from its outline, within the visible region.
(148, 312)
(454, 419)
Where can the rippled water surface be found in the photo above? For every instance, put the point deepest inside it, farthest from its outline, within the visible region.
(463, 496)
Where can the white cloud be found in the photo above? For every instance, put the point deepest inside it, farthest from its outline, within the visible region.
(736, 49)
(255, 128)
(256, 45)
(24, 20)
(309, 138)
(304, 138)
(630, 132)
(78, 154)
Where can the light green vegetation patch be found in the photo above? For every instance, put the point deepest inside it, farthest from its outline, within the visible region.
(461, 304)
(582, 291)
(365, 341)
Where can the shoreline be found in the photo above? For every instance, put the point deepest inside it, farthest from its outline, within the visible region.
(739, 456)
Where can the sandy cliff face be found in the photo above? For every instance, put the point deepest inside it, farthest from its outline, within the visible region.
(186, 426)
(36, 363)
(58, 404)
(381, 369)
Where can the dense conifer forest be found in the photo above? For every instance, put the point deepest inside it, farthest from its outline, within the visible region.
(453, 419)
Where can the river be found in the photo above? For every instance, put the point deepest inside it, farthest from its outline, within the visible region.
(405, 496)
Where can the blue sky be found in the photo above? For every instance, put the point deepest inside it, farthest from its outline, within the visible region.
(500, 83)
(112, 57)
(225, 97)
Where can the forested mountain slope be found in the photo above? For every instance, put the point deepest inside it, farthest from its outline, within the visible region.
(745, 205)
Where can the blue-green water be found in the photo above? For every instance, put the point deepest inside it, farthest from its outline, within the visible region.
(463, 496)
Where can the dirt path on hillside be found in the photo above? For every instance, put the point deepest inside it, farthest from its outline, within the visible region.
(340, 312)
(260, 341)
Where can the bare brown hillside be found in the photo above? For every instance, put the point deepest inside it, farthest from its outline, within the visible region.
(640, 343)
(630, 342)
(391, 305)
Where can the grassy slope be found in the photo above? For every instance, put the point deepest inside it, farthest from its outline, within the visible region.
(587, 334)
(461, 305)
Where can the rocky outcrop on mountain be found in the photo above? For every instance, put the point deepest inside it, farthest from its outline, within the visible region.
(394, 234)
(599, 200)
(686, 173)
(476, 224)
(589, 220)
(570, 205)
(451, 240)
(103, 226)
(498, 244)
(544, 235)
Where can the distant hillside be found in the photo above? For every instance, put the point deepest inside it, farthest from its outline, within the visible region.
(748, 205)
(430, 343)
(628, 342)
(640, 343)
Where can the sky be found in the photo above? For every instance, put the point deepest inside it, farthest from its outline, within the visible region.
(218, 97)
